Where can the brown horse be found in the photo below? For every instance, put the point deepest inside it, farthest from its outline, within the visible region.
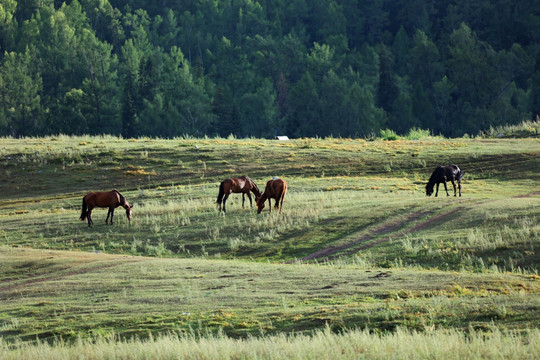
(111, 199)
(275, 189)
(242, 184)
(442, 174)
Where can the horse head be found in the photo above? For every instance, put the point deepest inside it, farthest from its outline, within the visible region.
(129, 211)
(260, 204)
(429, 189)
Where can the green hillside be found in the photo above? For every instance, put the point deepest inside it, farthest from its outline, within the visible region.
(358, 244)
(350, 198)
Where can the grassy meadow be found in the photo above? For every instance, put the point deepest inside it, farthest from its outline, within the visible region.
(360, 256)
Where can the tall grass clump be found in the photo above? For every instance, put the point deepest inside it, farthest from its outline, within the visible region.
(324, 344)
(524, 129)
(388, 135)
(417, 134)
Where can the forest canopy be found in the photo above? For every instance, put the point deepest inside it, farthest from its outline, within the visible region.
(264, 68)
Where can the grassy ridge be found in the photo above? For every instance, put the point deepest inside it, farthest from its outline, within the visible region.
(41, 166)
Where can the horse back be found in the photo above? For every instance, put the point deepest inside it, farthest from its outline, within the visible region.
(452, 171)
(276, 187)
(231, 185)
(457, 172)
(103, 199)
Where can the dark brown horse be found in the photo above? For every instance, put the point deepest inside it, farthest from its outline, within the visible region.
(104, 199)
(275, 189)
(242, 184)
(442, 174)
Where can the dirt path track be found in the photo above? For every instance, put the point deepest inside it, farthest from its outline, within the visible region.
(388, 227)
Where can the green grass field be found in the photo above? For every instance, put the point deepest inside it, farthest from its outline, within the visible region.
(359, 250)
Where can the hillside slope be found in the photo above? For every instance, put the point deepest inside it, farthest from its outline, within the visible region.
(47, 294)
(346, 199)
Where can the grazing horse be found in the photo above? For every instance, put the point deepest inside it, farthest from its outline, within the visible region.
(442, 174)
(242, 184)
(275, 189)
(104, 199)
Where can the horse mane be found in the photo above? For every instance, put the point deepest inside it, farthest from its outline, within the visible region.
(122, 198)
(435, 175)
(255, 186)
(252, 184)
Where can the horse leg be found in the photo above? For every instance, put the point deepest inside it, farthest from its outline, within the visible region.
(89, 217)
(454, 185)
(270, 204)
(224, 200)
(250, 201)
(277, 205)
(243, 199)
(459, 187)
(437, 192)
(112, 215)
(107, 219)
(446, 188)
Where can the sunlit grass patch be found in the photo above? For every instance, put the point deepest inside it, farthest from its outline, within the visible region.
(324, 344)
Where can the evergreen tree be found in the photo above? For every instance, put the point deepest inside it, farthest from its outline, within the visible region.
(535, 90)
(117, 66)
(400, 50)
(425, 63)
(19, 94)
(422, 109)
(402, 118)
(387, 91)
(332, 93)
(363, 117)
(282, 96)
(304, 112)
(226, 113)
(7, 24)
(258, 112)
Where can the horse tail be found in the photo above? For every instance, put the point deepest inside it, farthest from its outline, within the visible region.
(221, 192)
(84, 210)
(283, 192)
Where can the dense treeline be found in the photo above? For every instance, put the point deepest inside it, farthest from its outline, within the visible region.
(261, 68)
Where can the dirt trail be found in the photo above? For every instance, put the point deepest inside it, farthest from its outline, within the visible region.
(421, 225)
(388, 227)
(526, 195)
